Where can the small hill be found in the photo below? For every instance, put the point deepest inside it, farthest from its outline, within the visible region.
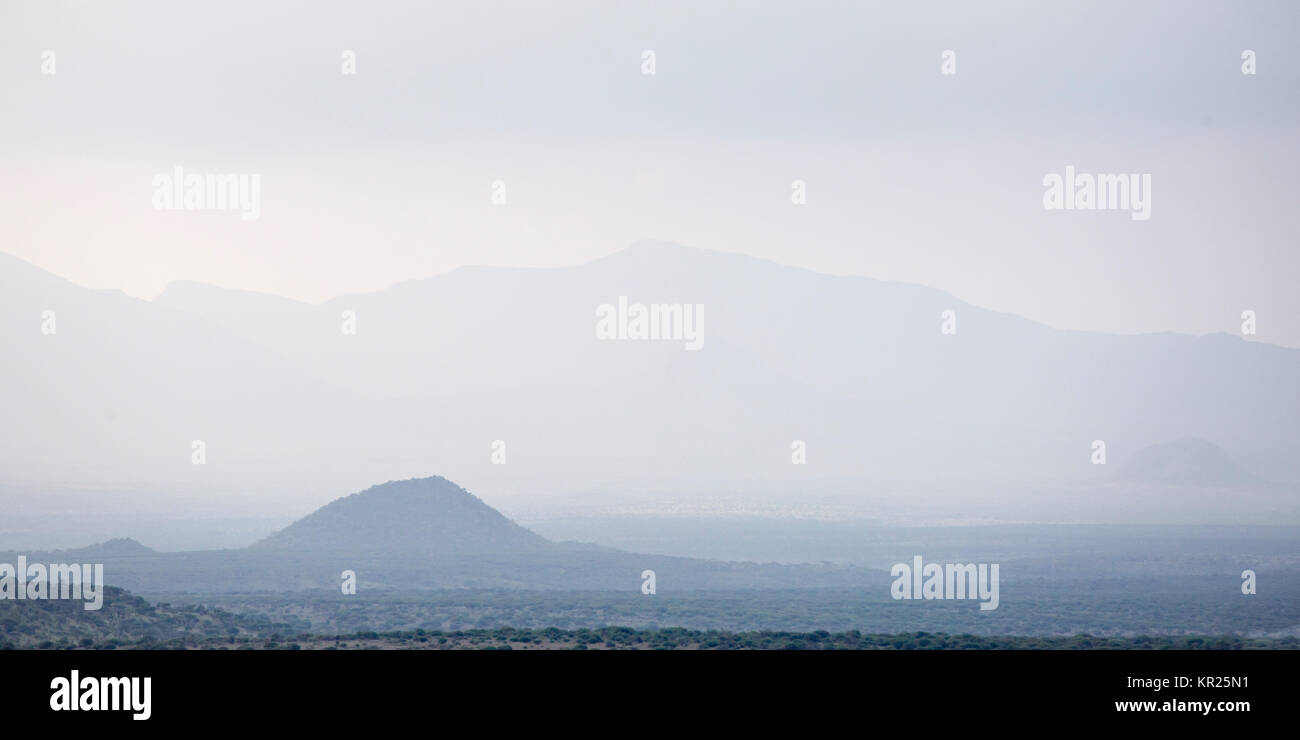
(118, 547)
(1186, 462)
(420, 515)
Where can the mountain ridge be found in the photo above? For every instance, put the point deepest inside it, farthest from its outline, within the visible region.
(282, 393)
(428, 514)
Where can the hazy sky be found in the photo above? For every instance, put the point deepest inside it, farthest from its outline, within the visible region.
(912, 175)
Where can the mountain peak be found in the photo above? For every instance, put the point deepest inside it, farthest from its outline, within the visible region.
(117, 547)
(416, 515)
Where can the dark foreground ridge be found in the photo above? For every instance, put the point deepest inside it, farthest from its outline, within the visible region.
(673, 638)
(129, 622)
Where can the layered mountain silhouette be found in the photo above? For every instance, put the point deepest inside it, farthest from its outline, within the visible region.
(425, 533)
(440, 368)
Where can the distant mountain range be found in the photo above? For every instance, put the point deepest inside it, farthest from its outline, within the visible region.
(441, 368)
(425, 533)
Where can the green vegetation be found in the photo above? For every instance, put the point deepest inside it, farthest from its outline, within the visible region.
(578, 620)
(1127, 607)
(623, 638)
(125, 620)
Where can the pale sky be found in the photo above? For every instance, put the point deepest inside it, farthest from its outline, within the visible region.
(385, 175)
